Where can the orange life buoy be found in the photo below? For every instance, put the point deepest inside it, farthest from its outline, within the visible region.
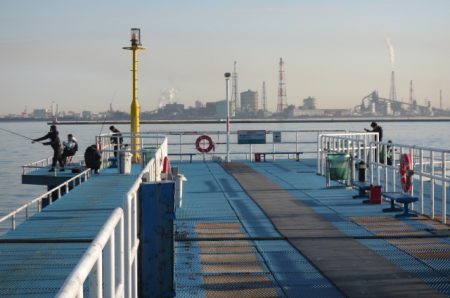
(406, 172)
(201, 148)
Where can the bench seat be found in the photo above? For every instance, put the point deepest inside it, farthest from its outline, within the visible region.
(297, 154)
(402, 198)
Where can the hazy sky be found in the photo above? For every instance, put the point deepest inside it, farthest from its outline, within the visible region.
(70, 52)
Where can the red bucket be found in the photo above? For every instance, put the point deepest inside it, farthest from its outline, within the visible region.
(375, 194)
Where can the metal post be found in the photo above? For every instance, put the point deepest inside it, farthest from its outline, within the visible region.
(96, 280)
(227, 81)
(421, 181)
(444, 191)
(432, 184)
(109, 267)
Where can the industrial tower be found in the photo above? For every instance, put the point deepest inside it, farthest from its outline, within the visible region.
(135, 110)
(235, 93)
(282, 101)
(264, 97)
(393, 92)
(411, 92)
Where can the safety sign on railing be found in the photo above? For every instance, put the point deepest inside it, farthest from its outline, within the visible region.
(251, 136)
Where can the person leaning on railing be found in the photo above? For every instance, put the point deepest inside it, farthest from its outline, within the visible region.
(116, 139)
(376, 128)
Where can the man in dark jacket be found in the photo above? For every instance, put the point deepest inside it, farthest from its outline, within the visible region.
(56, 146)
(116, 139)
(376, 128)
(93, 158)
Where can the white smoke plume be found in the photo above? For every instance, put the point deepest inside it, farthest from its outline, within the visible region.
(391, 51)
(167, 96)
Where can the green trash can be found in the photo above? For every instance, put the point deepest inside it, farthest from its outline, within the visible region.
(148, 153)
(339, 166)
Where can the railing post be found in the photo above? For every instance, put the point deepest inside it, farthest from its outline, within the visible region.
(371, 163)
(421, 182)
(394, 168)
(96, 280)
(319, 154)
(127, 245)
(432, 184)
(109, 282)
(119, 249)
(385, 167)
(444, 190)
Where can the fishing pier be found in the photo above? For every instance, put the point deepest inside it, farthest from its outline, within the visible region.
(286, 226)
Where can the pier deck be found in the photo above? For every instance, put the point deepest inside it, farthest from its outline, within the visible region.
(37, 257)
(267, 229)
(273, 229)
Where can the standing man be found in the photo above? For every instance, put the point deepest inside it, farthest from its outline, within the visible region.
(376, 128)
(116, 139)
(56, 146)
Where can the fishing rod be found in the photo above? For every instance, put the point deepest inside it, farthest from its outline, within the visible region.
(18, 134)
(106, 116)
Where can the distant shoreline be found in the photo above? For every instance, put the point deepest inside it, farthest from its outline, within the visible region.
(305, 120)
(215, 121)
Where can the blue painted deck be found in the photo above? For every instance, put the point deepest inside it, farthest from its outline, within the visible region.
(36, 258)
(226, 245)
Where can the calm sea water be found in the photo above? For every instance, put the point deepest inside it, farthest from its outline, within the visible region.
(17, 151)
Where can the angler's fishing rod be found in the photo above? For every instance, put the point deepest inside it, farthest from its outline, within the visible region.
(18, 134)
(106, 116)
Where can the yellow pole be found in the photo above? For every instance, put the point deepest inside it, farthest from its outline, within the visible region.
(135, 110)
(135, 115)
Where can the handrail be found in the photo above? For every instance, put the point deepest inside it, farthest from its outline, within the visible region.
(115, 247)
(151, 172)
(80, 178)
(36, 164)
(428, 163)
(95, 255)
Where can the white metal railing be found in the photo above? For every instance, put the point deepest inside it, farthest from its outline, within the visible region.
(430, 166)
(58, 191)
(356, 143)
(292, 141)
(103, 263)
(151, 172)
(430, 179)
(111, 270)
(37, 164)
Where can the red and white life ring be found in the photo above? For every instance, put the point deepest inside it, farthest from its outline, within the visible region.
(406, 172)
(201, 140)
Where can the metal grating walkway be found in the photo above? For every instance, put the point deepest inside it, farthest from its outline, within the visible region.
(297, 249)
(36, 258)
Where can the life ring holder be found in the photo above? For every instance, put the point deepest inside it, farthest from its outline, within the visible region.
(406, 172)
(202, 149)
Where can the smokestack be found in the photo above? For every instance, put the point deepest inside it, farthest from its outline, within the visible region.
(393, 92)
